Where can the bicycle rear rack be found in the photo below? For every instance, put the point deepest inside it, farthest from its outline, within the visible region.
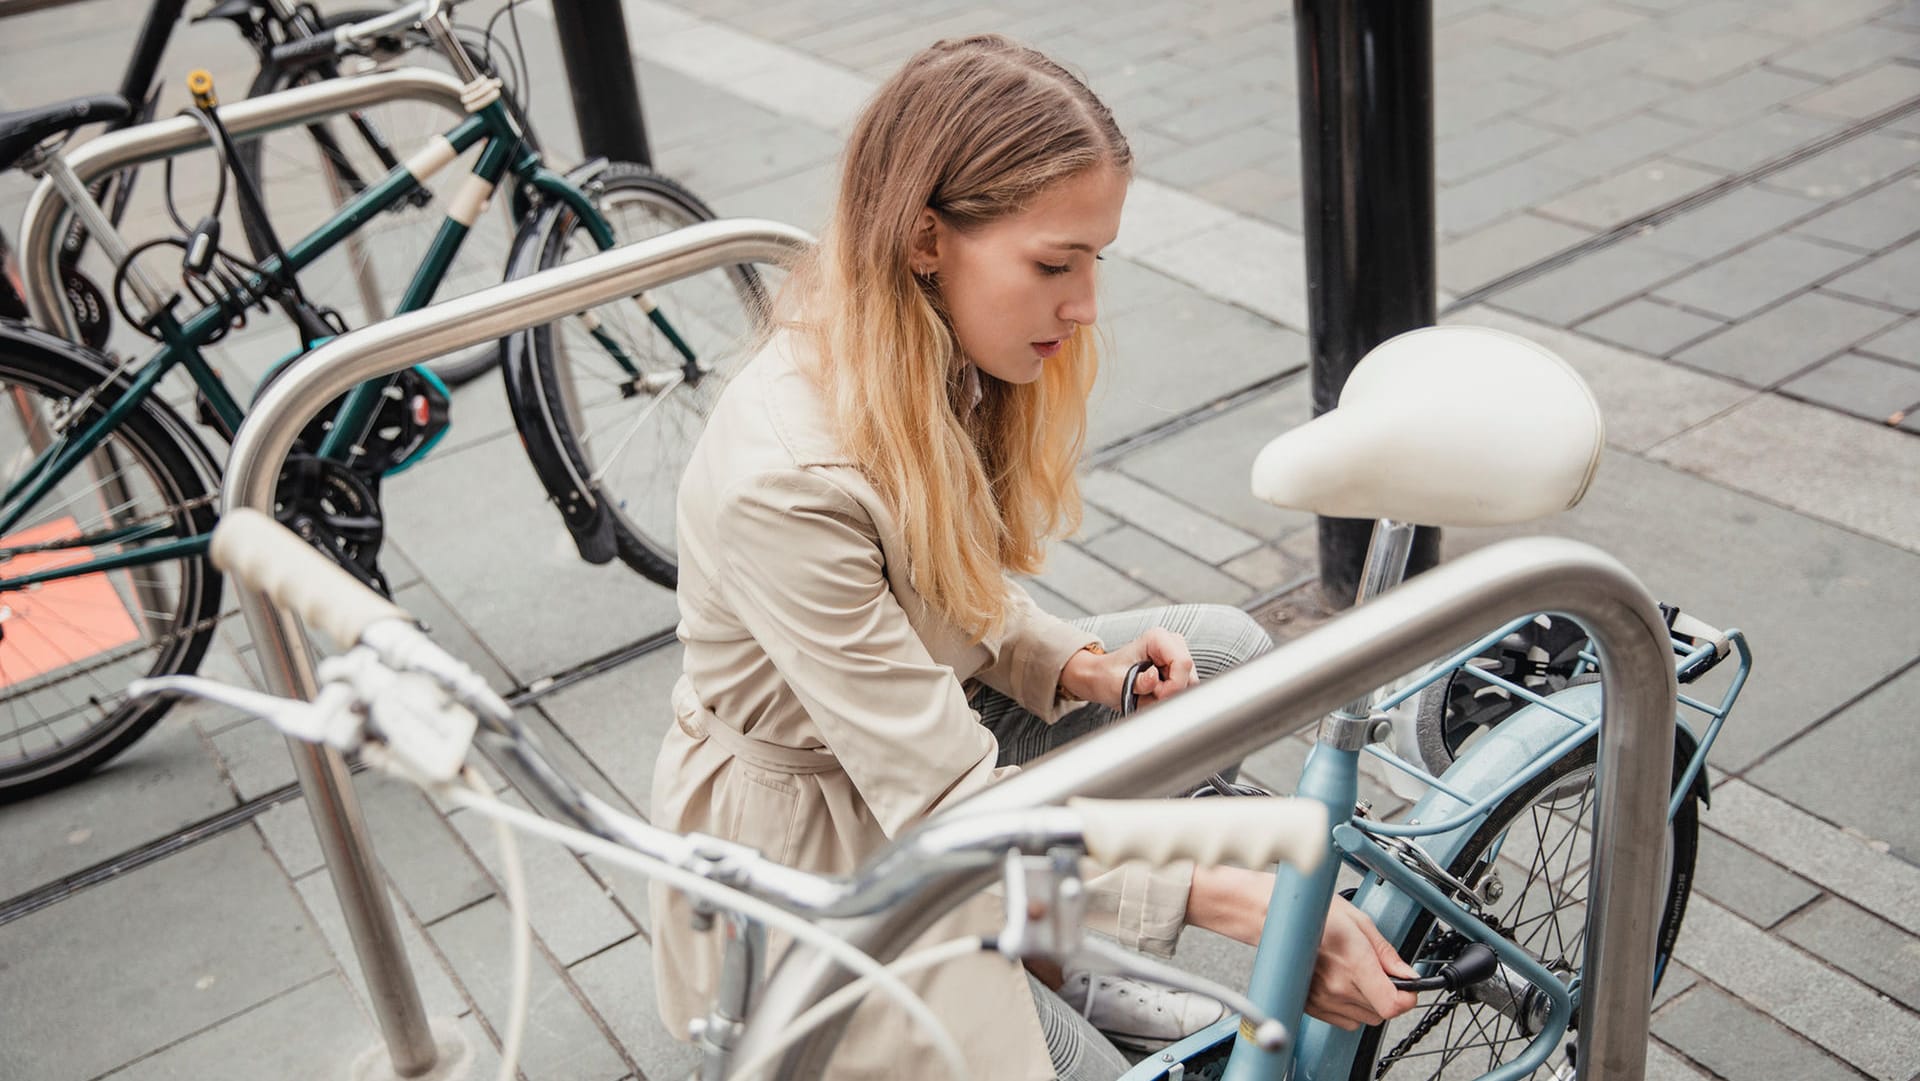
(1219, 722)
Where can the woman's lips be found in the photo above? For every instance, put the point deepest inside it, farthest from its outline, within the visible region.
(1047, 349)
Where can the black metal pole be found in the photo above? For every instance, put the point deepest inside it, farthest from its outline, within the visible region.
(1366, 163)
(606, 92)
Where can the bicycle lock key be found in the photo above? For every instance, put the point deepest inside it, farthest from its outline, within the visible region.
(204, 241)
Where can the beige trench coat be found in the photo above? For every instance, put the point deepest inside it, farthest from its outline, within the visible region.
(821, 711)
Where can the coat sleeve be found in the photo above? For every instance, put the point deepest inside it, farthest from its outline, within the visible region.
(1028, 652)
(805, 576)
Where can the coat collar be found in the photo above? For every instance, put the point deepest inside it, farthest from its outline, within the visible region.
(796, 411)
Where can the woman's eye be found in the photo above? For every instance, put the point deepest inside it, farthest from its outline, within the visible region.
(1049, 268)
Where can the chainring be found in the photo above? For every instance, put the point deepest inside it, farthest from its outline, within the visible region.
(335, 509)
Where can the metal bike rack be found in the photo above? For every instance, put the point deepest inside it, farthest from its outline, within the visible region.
(260, 450)
(43, 221)
(1229, 717)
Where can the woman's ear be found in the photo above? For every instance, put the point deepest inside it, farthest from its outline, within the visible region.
(924, 248)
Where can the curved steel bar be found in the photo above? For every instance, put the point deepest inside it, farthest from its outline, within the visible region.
(43, 221)
(260, 450)
(1229, 717)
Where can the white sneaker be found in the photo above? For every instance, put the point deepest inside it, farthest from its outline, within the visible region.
(1135, 1013)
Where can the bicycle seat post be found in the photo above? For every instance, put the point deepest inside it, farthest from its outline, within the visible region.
(1385, 567)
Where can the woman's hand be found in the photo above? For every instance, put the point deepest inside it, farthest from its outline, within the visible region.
(1096, 677)
(1350, 985)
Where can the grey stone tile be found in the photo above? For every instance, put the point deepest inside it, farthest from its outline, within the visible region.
(563, 1041)
(1740, 145)
(1230, 441)
(1846, 1018)
(1746, 281)
(1650, 327)
(1902, 343)
(1867, 93)
(1568, 294)
(1166, 515)
(1628, 194)
(616, 720)
(1848, 863)
(1216, 157)
(1752, 91)
(1805, 20)
(804, 199)
(1521, 240)
(1870, 949)
(165, 781)
(426, 863)
(1697, 59)
(1863, 386)
(1578, 27)
(1876, 220)
(1580, 108)
(1737, 217)
(1750, 885)
(1267, 568)
(1892, 279)
(255, 758)
(1611, 147)
(1268, 189)
(1848, 167)
(1734, 1040)
(1674, 982)
(1089, 583)
(1491, 196)
(570, 911)
(619, 984)
(1459, 109)
(1852, 769)
(1093, 522)
(1835, 56)
(312, 1033)
(1664, 1065)
(288, 831)
(233, 937)
(1781, 341)
(1487, 147)
(1167, 570)
(1052, 602)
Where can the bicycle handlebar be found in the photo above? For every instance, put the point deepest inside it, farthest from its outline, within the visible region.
(268, 557)
(1248, 831)
(344, 38)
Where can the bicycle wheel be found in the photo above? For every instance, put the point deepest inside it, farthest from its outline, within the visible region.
(1541, 656)
(632, 434)
(305, 173)
(1537, 842)
(69, 646)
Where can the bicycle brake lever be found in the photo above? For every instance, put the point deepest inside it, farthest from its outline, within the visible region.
(325, 720)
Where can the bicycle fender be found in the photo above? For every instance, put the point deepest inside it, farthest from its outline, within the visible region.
(581, 509)
(19, 337)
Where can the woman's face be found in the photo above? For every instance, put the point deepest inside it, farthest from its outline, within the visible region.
(1016, 288)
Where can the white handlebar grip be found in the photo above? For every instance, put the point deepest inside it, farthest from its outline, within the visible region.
(266, 556)
(1250, 831)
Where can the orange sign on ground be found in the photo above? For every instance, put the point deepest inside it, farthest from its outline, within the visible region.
(61, 622)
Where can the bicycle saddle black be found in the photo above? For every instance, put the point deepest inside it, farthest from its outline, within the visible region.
(23, 130)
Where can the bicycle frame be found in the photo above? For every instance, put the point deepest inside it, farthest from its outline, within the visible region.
(504, 151)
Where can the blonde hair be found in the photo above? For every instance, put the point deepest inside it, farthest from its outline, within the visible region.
(972, 129)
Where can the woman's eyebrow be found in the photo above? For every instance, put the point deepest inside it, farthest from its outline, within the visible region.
(1071, 245)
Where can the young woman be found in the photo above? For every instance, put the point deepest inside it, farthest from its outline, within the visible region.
(856, 655)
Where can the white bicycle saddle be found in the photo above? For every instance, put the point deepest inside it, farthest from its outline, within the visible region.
(1446, 426)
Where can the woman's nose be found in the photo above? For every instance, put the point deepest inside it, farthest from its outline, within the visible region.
(1081, 308)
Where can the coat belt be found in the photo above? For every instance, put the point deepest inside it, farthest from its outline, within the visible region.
(701, 721)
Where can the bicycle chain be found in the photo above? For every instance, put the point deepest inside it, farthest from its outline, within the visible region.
(1445, 945)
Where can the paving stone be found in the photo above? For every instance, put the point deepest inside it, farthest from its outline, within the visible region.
(1871, 950)
(617, 719)
(1729, 220)
(1790, 338)
(438, 995)
(233, 937)
(1835, 56)
(1093, 522)
(1580, 26)
(1089, 583)
(1590, 106)
(1479, 257)
(1892, 279)
(1268, 190)
(1865, 94)
(1232, 438)
(619, 984)
(1740, 284)
(423, 859)
(1488, 147)
(1267, 569)
(1576, 291)
(570, 911)
(288, 831)
(1750, 885)
(1851, 864)
(1650, 327)
(1491, 196)
(1846, 1017)
(1733, 1040)
(1674, 982)
(1244, 262)
(255, 758)
(1847, 167)
(1167, 570)
(562, 1040)
(1664, 1065)
(1902, 343)
(1697, 59)
(1167, 516)
(1629, 194)
(1740, 145)
(1876, 220)
(1459, 110)
(1611, 147)
(1861, 385)
(312, 1033)
(1753, 91)
(1052, 602)
(1806, 18)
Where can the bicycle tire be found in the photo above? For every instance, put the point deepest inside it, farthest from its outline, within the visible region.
(1552, 787)
(47, 741)
(482, 252)
(1453, 710)
(719, 312)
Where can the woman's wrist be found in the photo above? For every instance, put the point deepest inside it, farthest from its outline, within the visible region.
(1080, 676)
(1231, 901)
